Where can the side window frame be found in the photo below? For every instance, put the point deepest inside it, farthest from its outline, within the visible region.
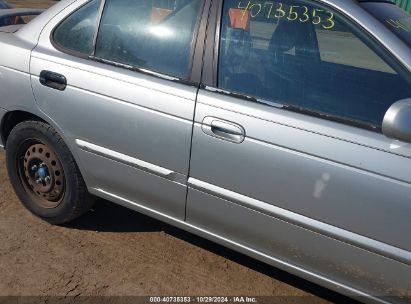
(196, 47)
(212, 51)
(72, 52)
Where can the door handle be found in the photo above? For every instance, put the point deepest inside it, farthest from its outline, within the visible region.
(53, 80)
(223, 129)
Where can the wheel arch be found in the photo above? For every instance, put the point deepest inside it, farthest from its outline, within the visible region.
(12, 119)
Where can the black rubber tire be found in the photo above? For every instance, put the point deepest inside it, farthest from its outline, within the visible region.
(76, 200)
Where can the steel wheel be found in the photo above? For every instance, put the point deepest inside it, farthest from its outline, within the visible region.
(44, 173)
(41, 173)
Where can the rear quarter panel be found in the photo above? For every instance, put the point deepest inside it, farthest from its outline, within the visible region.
(15, 88)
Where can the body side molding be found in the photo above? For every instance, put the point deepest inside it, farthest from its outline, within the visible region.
(359, 241)
(131, 161)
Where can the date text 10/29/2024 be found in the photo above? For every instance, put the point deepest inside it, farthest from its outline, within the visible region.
(205, 299)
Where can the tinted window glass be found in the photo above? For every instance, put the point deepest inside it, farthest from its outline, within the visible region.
(305, 57)
(76, 33)
(154, 35)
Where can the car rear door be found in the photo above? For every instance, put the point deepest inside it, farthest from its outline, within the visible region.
(288, 160)
(124, 99)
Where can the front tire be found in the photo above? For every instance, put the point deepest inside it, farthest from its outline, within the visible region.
(44, 173)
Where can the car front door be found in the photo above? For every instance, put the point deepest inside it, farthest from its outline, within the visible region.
(123, 98)
(288, 159)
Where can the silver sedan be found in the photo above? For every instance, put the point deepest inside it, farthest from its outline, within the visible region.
(281, 129)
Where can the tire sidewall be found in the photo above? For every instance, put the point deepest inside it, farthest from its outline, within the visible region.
(44, 134)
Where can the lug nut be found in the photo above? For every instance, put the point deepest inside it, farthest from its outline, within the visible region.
(47, 179)
(34, 168)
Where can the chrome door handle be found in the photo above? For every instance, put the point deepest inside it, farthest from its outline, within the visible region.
(223, 129)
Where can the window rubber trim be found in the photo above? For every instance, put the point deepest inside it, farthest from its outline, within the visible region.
(64, 49)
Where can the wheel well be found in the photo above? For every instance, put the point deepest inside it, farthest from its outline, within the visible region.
(12, 119)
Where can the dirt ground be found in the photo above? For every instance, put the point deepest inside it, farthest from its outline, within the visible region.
(113, 251)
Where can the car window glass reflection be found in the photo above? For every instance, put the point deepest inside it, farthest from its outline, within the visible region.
(154, 35)
(76, 33)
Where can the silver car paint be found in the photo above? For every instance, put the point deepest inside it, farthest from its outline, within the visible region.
(154, 114)
(15, 88)
(396, 124)
(333, 173)
(330, 173)
(330, 258)
(291, 162)
(234, 199)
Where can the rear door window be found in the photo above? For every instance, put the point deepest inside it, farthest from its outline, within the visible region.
(76, 32)
(154, 35)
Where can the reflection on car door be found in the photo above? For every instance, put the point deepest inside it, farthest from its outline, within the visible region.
(332, 198)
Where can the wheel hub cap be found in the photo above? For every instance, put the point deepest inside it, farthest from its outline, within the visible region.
(43, 175)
